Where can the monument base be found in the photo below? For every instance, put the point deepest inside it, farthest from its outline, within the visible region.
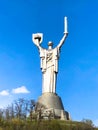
(51, 103)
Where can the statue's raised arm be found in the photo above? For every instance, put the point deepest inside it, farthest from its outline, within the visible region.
(37, 39)
(62, 40)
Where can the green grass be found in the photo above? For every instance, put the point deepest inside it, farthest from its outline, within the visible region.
(44, 125)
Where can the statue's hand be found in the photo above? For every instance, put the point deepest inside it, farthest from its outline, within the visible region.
(37, 37)
(66, 33)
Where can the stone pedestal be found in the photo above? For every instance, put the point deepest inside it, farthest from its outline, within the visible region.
(52, 101)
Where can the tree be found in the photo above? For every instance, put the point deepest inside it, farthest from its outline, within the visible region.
(32, 105)
(1, 114)
(19, 108)
(88, 122)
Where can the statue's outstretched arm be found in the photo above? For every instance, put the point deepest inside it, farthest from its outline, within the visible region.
(62, 40)
(37, 43)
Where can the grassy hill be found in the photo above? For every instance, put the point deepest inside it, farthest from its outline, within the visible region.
(44, 125)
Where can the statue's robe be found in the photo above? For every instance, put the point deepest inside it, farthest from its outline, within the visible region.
(49, 67)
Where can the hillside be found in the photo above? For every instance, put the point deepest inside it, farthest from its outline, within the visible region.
(44, 125)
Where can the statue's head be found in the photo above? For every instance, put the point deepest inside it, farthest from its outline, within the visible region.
(50, 44)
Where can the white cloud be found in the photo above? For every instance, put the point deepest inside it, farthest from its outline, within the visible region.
(96, 123)
(21, 89)
(4, 93)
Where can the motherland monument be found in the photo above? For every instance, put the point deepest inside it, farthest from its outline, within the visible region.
(49, 66)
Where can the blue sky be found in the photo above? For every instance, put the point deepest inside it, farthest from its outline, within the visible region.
(20, 74)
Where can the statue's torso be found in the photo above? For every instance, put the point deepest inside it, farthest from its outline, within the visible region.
(49, 58)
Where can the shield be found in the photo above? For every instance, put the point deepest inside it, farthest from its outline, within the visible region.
(38, 36)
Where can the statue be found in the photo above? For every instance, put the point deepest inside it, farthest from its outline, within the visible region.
(49, 62)
(49, 65)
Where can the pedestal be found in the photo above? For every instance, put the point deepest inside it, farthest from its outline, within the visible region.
(52, 101)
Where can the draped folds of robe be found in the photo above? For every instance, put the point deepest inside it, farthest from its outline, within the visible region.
(49, 67)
